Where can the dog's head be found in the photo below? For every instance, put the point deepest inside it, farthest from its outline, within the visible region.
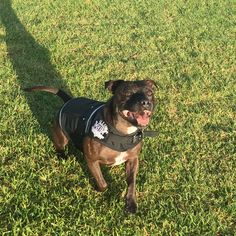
(133, 100)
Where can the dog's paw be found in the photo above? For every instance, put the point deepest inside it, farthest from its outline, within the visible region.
(101, 188)
(131, 206)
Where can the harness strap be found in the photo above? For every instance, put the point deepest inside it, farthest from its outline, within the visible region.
(60, 113)
(89, 119)
(150, 133)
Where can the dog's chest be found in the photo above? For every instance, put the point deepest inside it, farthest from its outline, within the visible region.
(121, 158)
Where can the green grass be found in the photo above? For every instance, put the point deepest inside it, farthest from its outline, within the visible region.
(187, 180)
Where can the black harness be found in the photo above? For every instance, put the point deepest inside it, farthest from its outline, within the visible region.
(81, 117)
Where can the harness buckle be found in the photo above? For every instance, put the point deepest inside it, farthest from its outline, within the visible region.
(138, 137)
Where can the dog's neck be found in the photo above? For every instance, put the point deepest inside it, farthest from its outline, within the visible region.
(123, 126)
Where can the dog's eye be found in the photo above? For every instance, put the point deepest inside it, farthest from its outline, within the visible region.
(128, 94)
(149, 93)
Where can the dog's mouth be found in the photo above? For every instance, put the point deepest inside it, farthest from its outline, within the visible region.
(142, 118)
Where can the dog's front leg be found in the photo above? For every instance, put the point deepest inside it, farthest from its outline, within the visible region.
(131, 172)
(95, 169)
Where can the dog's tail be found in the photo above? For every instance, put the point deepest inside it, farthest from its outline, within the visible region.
(64, 96)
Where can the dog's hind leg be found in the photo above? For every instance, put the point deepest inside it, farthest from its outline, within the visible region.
(59, 140)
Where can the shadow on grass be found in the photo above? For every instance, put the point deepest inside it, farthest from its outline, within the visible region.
(32, 65)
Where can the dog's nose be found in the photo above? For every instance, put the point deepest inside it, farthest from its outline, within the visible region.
(146, 104)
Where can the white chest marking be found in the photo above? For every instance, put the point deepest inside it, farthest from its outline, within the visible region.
(121, 158)
(131, 129)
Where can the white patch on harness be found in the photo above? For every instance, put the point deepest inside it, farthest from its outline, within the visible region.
(120, 159)
(99, 129)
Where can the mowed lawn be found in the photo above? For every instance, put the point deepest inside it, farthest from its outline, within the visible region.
(186, 183)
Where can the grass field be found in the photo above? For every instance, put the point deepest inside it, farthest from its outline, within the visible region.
(187, 177)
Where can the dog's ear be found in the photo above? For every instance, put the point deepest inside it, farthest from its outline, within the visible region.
(112, 85)
(151, 83)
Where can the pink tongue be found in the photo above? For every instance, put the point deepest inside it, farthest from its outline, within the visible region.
(143, 120)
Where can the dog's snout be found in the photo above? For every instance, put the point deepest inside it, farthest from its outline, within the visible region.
(146, 103)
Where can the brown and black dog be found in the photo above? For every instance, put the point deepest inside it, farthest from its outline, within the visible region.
(109, 132)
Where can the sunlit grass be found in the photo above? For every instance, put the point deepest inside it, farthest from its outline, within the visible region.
(186, 180)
